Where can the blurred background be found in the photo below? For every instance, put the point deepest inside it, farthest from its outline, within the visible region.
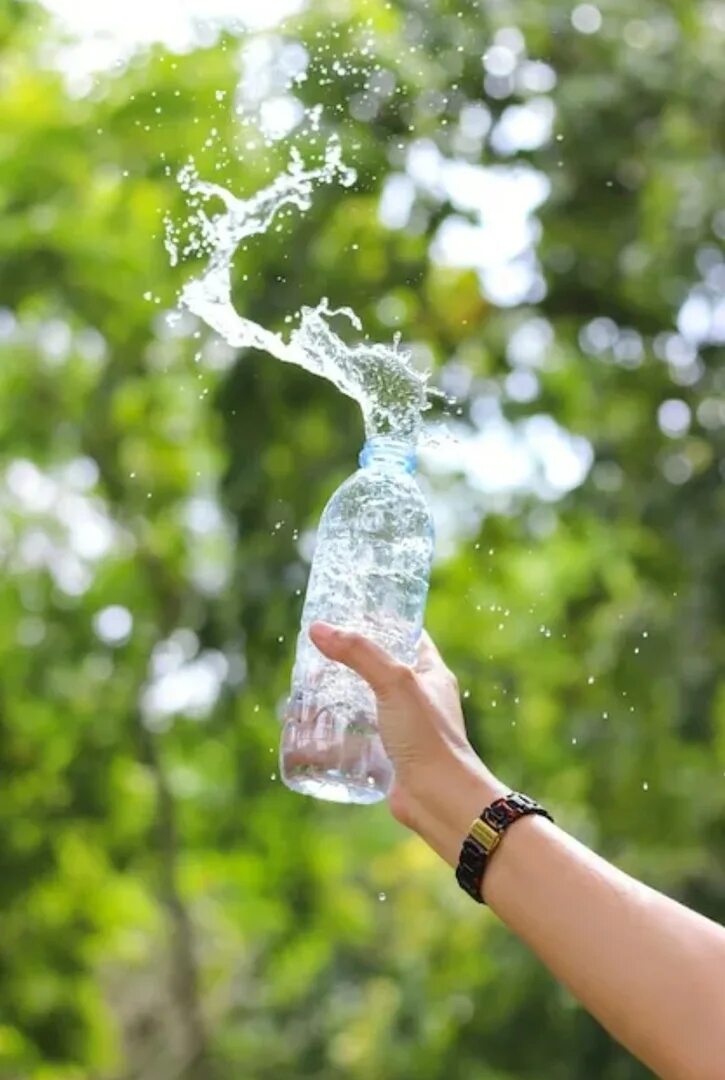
(540, 212)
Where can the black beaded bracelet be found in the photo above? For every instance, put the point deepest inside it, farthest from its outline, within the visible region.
(486, 834)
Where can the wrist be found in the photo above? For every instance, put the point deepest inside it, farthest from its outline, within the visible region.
(454, 799)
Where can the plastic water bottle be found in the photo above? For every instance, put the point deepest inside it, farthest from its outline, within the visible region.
(370, 573)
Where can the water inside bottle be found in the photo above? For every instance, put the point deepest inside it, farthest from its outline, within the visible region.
(370, 573)
(334, 753)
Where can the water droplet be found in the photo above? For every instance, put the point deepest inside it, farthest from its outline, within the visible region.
(573, 741)
(273, 776)
(645, 786)
(466, 694)
(382, 897)
(590, 680)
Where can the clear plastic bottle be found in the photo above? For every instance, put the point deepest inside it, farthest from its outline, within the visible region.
(370, 573)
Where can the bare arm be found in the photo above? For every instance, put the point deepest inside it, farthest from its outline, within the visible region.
(650, 970)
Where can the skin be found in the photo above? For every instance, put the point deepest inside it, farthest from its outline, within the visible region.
(651, 971)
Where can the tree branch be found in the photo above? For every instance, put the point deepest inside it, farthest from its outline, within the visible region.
(184, 975)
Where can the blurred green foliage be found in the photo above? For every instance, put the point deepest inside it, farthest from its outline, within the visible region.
(169, 910)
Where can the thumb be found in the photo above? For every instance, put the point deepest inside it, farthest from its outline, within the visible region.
(358, 652)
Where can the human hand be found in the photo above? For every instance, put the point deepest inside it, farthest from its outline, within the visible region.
(441, 785)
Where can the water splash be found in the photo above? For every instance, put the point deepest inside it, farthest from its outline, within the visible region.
(390, 392)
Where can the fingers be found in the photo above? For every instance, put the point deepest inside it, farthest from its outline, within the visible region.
(428, 655)
(355, 651)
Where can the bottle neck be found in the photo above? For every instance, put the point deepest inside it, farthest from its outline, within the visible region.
(387, 452)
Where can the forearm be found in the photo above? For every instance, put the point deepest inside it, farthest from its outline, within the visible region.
(651, 971)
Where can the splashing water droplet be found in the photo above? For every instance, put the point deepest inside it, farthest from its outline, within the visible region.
(382, 897)
(390, 392)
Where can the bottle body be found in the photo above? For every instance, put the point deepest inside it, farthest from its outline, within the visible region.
(370, 573)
